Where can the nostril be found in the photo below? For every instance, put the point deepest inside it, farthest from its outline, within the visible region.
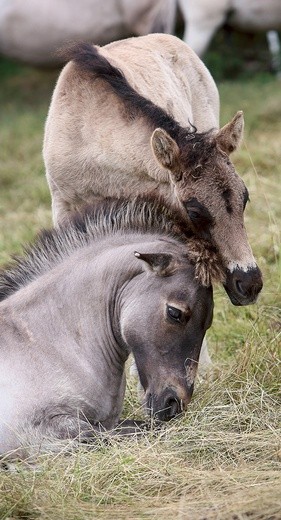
(172, 408)
(240, 287)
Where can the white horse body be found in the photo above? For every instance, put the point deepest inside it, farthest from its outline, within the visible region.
(33, 31)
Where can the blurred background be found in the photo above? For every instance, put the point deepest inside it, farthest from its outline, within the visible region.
(231, 36)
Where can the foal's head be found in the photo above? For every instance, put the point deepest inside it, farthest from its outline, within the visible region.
(214, 196)
(163, 322)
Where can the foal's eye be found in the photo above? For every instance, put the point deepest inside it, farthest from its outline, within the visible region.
(174, 313)
(193, 215)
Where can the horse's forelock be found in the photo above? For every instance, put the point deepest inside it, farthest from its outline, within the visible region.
(207, 262)
(196, 149)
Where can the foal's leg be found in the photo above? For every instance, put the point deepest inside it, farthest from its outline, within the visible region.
(61, 202)
(86, 433)
(68, 427)
(130, 427)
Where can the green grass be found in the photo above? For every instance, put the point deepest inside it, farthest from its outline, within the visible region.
(222, 460)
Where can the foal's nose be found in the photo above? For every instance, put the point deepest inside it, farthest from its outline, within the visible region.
(249, 284)
(168, 405)
(172, 408)
(243, 287)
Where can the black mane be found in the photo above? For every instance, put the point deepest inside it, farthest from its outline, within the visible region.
(142, 214)
(89, 60)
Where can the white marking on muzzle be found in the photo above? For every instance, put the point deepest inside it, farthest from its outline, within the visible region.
(232, 266)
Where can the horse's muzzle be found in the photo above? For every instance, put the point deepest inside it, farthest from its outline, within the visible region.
(167, 405)
(243, 287)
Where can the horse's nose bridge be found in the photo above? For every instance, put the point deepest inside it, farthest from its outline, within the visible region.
(182, 378)
(231, 238)
(243, 278)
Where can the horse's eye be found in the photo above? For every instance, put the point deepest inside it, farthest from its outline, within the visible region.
(174, 313)
(193, 215)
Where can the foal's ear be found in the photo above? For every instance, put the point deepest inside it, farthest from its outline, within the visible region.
(160, 263)
(166, 152)
(230, 136)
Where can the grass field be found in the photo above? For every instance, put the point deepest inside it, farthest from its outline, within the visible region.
(222, 460)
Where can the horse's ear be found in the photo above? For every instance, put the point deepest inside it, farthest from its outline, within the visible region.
(160, 263)
(230, 136)
(166, 152)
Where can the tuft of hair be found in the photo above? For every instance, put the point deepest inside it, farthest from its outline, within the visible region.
(207, 262)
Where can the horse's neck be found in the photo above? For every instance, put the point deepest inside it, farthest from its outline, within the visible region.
(71, 305)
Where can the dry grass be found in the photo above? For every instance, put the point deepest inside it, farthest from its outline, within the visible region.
(222, 460)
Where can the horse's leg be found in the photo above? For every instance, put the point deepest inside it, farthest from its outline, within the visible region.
(130, 427)
(84, 432)
(67, 427)
(275, 51)
(202, 19)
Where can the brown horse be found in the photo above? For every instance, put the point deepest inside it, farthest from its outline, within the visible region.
(125, 277)
(105, 112)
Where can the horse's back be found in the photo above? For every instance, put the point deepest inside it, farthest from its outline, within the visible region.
(165, 70)
(88, 130)
(160, 67)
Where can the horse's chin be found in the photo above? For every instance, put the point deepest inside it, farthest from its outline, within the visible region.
(237, 300)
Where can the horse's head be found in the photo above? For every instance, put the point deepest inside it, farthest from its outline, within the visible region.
(214, 197)
(163, 322)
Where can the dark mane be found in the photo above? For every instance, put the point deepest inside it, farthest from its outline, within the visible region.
(109, 217)
(89, 60)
